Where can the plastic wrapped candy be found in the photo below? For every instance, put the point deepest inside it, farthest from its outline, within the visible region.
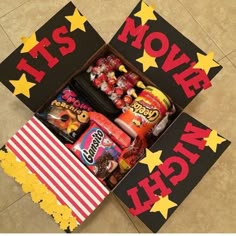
(134, 79)
(97, 151)
(68, 114)
(116, 63)
(127, 160)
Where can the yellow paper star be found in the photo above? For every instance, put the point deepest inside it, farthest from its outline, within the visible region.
(29, 43)
(213, 140)
(163, 205)
(77, 21)
(152, 159)
(146, 13)
(147, 61)
(205, 62)
(22, 86)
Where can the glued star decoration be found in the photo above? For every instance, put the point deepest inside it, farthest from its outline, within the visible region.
(213, 140)
(22, 86)
(146, 13)
(147, 61)
(163, 205)
(77, 21)
(29, 43)
(205, 62)
(152, 159)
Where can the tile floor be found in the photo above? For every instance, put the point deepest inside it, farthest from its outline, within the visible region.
(211, 24)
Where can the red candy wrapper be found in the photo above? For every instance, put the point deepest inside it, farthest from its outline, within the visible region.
(115, 133)
(119, 103)
(116, 63)
(123, 83)
(106, 88)
(127, 160)
(101, 61)
(128, 99)
(134, 79)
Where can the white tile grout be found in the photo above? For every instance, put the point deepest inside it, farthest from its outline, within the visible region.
(7, 35)
(7, 207)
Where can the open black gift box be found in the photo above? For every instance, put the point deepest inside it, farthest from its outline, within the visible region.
(172, 166)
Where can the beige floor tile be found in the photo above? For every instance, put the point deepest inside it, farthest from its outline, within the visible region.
(232, 57)
(29, 218)
(6, 45)
(108, 218)
(218, 18)
(106, 24)
(140, 226)
(10, 191)
(210, 207)
(177, 15)
(33, 14)
(106, 16)
(15, 115)
(6, 223)
(9, 5)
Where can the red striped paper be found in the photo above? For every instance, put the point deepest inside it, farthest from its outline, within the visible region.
(72, 183)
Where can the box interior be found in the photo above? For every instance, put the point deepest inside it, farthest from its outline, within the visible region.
(102, 52)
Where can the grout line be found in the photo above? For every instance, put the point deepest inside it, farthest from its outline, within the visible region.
(2, 210)
(7, 14)
(126, 213)
(230, 59)
(231, 62)
(8, 36)
(202, 28)
(227, 56)
(220, 59)
(14, 9)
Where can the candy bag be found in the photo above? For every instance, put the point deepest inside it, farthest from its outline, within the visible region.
(97, 151)
(68, 115)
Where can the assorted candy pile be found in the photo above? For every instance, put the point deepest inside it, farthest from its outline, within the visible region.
(112, 78)
(109, 150)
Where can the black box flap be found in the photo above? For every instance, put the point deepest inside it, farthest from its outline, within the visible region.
(45, 60)
(172, 167)
(164, 55)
